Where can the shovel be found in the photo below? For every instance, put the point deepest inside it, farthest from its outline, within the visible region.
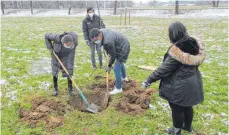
(106, 94)
(89, 107)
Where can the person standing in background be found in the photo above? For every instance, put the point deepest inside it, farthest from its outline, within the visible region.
(92, 21)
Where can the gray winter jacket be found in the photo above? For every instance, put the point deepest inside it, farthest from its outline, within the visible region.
(89, 24)
(66, 55)
(116, 45)
(181, 80)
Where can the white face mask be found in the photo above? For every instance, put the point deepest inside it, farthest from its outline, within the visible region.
(98, 41)
(91, 14)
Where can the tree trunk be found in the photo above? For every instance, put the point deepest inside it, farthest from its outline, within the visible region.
(2, 6)
(70, 7)
(31, 6)
(177, 8)
(217, 3)
(115, 7)
(213, 3)
(58, 4)
(98, 7)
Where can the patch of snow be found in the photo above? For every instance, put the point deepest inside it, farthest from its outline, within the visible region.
(3, 82)
(165, 106)
(208, 116)
(203, 13)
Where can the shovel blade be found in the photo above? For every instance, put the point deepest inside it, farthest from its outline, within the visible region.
(93, 108)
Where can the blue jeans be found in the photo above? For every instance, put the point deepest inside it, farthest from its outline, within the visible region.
(120, 72)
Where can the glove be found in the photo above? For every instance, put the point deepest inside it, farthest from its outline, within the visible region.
(87, 42)
(108, 69)
(51, 50)
(145, 84)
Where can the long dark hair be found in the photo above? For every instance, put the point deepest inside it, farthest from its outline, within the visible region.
(177, 31)
(178, 35)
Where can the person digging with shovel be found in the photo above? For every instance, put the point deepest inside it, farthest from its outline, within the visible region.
(117, 47)
(64, 46)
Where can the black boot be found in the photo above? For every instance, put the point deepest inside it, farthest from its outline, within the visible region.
(55, 90)
(174, 131)
(189, 129)
(70, 90)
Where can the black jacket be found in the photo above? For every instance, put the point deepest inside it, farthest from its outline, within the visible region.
(181, 81)
(116, 45)
(67, 56)
(89, 24)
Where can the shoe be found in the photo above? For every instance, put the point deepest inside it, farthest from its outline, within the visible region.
(115, 91)
(189, 129)
(125, 79)
(174, 131)
(55, 92)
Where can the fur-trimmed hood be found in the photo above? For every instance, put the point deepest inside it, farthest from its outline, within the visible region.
(187, 58)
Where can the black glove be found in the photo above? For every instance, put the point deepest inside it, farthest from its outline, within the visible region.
(145, 84)
(108, 69)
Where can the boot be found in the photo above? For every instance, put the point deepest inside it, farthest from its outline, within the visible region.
(55, 90)
(70, 90)
(189, 129)
(174, 131)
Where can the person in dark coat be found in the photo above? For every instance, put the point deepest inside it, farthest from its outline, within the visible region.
(64, 45)
(92, 21)
(181, 81)
(118, 47)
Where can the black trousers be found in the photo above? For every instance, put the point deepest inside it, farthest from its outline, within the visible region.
(182, 116)
(56, 84)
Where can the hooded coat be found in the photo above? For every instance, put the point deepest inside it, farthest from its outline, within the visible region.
(181, 80)
(66, 55)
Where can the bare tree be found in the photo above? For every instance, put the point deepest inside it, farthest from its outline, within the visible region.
(31, 6)
(215, 3)
(176, 7)
(115, 7)
(70, 7)
(98, 5)
(2, 6)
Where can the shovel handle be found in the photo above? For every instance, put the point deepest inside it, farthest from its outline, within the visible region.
(80, 92)
(107, 74)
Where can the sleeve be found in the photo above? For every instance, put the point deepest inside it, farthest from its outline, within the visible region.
(112, 52)
(165, 69)
(49, 38)
(85, 30)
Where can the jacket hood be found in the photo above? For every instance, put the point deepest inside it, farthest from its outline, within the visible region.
(189, 52)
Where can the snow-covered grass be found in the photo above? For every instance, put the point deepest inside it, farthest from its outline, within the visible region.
(26, 74)
(159, 13)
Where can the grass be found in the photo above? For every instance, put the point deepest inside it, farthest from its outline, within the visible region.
(22, 43)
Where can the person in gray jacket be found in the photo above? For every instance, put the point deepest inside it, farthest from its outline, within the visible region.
(92, 21)
(181, 81)
(64, 45)
(118, 47)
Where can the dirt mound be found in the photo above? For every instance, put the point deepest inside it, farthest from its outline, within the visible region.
(126, 85)
(41, 112)
(135, 101)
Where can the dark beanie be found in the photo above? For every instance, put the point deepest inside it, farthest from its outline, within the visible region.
(66, 39)
(90, 8)
(94, 32)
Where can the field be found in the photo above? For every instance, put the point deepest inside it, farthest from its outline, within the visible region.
(24, 60)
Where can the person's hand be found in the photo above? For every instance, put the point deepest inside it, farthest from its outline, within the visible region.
(108, 69)
(87, 42)
(51, 50)
(145, 84)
